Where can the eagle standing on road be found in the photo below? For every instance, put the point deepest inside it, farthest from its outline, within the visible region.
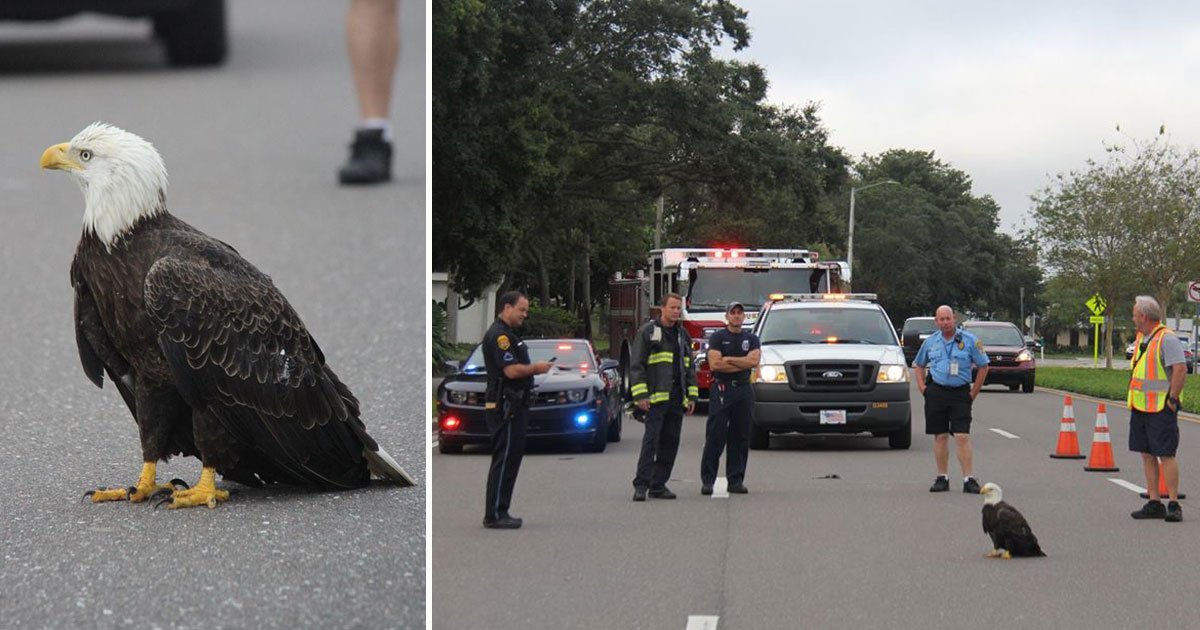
(1010, 533)
(208, 355)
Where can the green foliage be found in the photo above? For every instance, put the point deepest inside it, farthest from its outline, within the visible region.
(549, 321)
(442, 349)
(1106, 384)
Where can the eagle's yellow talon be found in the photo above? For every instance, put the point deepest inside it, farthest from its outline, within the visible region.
(1007, 555)
(205, 492)
(108, 494)
(995, 553)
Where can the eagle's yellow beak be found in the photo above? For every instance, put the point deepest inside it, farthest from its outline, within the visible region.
(56, 157)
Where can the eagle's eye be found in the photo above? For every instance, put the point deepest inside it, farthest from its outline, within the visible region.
(85, 155)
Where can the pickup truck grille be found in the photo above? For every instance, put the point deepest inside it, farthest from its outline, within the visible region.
(833, 376)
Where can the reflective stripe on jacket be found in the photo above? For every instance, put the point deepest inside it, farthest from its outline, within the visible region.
(652, 365)
(1150, 381)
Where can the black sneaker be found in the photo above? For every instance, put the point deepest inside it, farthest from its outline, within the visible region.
(661, 493)
(1174, 512)
(504, 522)
(370, 159)
(706, 490)
(970, 486)
(1153, 509)
(639, 494)
(941, 484)
(738, 488)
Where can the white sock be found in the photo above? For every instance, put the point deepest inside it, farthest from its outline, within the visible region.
(378, 123)
(968, 478)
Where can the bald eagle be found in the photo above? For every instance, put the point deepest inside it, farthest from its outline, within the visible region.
(1010, 533)
(206, 352)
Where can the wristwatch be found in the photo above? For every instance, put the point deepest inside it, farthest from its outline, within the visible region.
(1178, 405)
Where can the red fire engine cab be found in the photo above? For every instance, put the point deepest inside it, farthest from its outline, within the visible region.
(709, 279)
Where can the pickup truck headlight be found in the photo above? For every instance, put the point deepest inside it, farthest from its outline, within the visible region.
(1024, 356)
(576, 395)
(770, 374)
(458, 397)
(893, 373)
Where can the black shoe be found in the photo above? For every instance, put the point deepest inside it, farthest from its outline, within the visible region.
(639, 494)
(1174, 512)
(504, 522)
(1153, 509)
(706, 489)
(370, 159)
(506, 515)
(970, 486)
(661, 493)
(738, 488)
(941, 484)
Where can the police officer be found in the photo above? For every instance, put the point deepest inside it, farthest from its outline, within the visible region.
(509, 382)
(732, 353)
(662, 382)
(949, 356)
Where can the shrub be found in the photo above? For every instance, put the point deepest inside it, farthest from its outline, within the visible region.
(442, 349)
(549, 321)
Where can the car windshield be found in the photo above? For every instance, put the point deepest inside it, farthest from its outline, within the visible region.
(716, 288)
(919, 326)
(827, 325)
(997, 335)
(567, 355)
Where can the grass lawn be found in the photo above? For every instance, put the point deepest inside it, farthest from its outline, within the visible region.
(1101, 383)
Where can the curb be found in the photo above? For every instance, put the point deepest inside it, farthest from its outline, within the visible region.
(1188, 416)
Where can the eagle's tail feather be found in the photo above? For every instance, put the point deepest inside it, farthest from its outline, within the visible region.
(382, 466)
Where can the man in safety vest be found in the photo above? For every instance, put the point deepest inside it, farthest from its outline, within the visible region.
(1155, 385)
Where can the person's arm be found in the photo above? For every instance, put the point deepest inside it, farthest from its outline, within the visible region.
(978, 384)
(523, 370)
(638, 388)
(979, 358)
(918, 365)
(1178, 376)
(748, 362)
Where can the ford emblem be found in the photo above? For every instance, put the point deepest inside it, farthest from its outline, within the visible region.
(832, 374)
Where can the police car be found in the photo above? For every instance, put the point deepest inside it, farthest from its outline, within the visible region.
(831, 363)
(577, 402)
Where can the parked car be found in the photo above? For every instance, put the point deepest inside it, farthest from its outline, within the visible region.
(913, 334)
(831, 363)
(578, 401)
(193, 32)
(1010, 361)
(1189, 357)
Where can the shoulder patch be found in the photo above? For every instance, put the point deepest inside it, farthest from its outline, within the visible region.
(979, 344)
(503, 342)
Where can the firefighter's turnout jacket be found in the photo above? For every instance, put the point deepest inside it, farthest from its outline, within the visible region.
(652, 363)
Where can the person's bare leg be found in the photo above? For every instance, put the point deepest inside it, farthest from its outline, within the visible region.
(962, 442)
(941, 453)
(1150, 465)
(373, 41)
(1170, 470)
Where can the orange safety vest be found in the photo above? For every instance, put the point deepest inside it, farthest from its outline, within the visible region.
(1150, 382)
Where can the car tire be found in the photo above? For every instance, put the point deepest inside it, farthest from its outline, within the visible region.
(449, 447)
(614, 426)
(760, 439)
(599, 441)
(195, 35)
(1027, 386)
(901, 439)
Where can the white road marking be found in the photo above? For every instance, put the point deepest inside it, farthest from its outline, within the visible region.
(702, 622)
(1128, 486)
(1011, 436)
(720, 491)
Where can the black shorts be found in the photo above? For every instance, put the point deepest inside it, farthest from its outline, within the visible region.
(947, 410)
(1154, 433)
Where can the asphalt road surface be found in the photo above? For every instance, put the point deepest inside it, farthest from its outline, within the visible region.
(871, 548)
(252, 149)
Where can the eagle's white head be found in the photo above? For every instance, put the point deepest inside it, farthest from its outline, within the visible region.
(991, 493)
(122, 176)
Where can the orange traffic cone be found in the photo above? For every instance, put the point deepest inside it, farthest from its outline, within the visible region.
(1101, 459)
(1068, 441)
(1162, 485)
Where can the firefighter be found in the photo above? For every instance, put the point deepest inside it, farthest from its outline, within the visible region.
(732, 353)
(509, 383)
(663, 384)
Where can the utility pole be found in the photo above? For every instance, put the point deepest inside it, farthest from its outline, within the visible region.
(1023, 310)
(658, 224)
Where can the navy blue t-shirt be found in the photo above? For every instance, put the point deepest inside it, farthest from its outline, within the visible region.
(732, 345)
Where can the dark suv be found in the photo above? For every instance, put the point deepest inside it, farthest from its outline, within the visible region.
(1010, 362)
(915, 330)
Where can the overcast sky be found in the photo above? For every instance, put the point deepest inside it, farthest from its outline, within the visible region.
(1009, 92)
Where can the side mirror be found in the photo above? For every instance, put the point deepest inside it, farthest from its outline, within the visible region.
(451, 367)
(609, 364)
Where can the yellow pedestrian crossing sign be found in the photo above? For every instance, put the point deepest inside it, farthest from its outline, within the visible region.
(1097, 304)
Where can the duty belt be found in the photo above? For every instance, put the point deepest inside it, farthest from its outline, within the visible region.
(734, 383)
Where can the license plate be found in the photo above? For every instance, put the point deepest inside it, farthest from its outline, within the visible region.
(833, 416)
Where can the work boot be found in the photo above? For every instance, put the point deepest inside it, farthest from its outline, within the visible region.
(503, 522)
(706, 489)
(661, 493)
(1153, 509)
(1174, 512)
(738, 488)
(639, 494)
(941, 484)
(970, 486)
(370, 159)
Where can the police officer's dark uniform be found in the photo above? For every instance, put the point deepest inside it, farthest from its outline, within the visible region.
(948, 387)
(730, 409)
(507, 410)
(661, 370)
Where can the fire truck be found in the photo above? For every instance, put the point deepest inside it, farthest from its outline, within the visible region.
(709, 279)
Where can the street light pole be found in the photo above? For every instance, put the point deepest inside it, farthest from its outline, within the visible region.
(850, 242)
